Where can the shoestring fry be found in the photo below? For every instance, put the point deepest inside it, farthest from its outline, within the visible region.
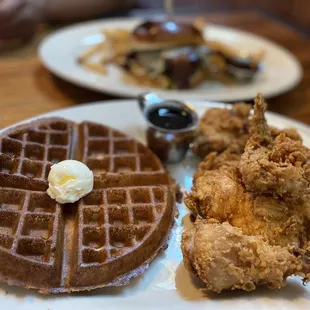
(116, 44)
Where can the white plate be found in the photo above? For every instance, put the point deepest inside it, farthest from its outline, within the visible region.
(60, 50)
(166, 284)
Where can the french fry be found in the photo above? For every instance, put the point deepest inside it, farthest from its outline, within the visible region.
(90, 52)
(98, 68)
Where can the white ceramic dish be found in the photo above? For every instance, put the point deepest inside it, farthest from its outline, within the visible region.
(60, 50)
(166, 284)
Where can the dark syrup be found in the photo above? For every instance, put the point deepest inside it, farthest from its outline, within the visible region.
(170, 118)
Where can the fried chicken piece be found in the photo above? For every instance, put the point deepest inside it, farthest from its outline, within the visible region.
(226, 259)
(289, 132)
(229, 158)
(280, 166)
(221, 128)
(219, 194)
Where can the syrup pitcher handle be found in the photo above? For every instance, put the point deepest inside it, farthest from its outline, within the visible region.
(148, 99)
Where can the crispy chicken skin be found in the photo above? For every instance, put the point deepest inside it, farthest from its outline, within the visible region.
(248, 234)
(226, 259)
(220, 128)
(219, 194)
(279, 166)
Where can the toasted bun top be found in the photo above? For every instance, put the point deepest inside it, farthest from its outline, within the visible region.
(163, 33)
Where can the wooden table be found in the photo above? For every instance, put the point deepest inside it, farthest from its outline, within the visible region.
(28, 89)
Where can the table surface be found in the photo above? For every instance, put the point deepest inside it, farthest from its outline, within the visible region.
(28, 89)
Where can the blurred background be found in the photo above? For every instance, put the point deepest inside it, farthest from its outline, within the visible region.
(28, 89)
(293, 12)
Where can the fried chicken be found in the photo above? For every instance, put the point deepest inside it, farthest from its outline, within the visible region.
(239, 218)
(219, 194)
(279, 166)
(226, 259)
(221, 128)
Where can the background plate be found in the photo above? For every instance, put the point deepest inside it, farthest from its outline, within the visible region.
(166, 284)
(59, 52)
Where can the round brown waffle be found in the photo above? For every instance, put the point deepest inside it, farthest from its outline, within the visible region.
(108, 237)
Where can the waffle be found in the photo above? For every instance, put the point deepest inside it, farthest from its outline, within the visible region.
(104, 239)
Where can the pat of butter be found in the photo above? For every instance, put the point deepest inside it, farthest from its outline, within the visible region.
(69, 181)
